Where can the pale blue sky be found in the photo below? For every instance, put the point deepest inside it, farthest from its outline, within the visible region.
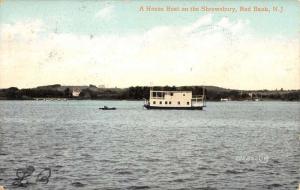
(78, 16)
(76, 42)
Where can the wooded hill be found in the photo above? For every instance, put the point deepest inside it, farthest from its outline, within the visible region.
(212, 93)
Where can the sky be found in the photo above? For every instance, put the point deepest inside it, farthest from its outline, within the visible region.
(120, 44)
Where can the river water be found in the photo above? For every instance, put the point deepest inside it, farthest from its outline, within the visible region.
(228, 145)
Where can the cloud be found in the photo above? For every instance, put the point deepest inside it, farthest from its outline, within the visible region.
(205, 20)
(105, 13)
(223, 53)
(22, 30)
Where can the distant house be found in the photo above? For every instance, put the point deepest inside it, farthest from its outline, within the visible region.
(250, 94)
(76, 92)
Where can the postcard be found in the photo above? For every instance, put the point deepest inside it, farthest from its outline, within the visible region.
(149, 94)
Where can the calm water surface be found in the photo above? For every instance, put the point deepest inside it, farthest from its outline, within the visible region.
(229, 145)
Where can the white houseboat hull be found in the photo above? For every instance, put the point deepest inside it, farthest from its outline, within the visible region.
(174, 108)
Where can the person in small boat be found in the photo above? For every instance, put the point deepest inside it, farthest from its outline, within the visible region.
(107, 108)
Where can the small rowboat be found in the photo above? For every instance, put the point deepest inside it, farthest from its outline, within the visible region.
(107, 108)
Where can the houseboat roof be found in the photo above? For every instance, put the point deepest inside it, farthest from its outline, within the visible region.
(169, 91)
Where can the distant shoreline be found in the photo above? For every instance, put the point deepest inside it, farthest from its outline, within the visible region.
(131, 100)
(91, 92)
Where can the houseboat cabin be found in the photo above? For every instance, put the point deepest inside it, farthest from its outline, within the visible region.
(174, 100)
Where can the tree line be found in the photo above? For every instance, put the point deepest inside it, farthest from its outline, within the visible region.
(142, 92)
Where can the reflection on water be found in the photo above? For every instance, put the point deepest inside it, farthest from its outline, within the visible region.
(232, 145)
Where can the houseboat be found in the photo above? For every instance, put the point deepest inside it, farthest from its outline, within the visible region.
(174, 100)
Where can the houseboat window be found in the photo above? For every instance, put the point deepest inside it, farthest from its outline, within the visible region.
(160, 102)
(153, 94)
(171, 94)
(187, 103)
(178, 102)
(166, 102)
(170, 102)
(159, 94)
(154, 102)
